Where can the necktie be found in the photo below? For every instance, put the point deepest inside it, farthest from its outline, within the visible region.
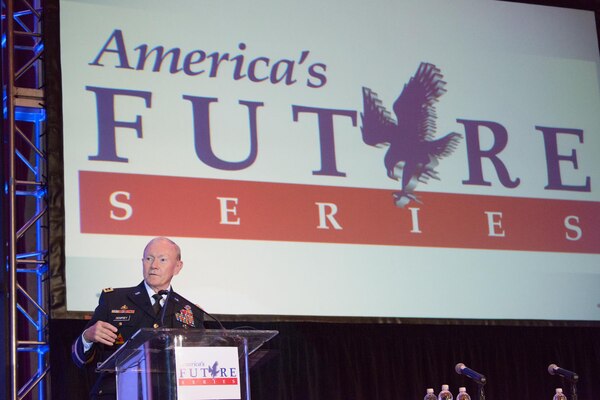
(156, 306)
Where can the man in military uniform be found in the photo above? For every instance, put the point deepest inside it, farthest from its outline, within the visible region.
(122, 312)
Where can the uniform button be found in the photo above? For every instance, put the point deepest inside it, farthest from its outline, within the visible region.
(120, 324)
(155, 325)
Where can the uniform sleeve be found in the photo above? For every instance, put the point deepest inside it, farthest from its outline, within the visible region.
(78, 353)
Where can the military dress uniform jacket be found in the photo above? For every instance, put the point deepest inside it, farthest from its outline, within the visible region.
(130, 309)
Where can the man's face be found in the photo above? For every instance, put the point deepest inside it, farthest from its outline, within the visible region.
(160, 264)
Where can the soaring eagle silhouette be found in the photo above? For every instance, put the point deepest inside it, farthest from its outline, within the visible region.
(213, 371)
(413, 152)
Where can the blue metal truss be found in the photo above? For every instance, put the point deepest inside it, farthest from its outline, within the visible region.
(26, 193)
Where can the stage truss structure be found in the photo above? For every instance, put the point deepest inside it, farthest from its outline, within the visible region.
(25, 165)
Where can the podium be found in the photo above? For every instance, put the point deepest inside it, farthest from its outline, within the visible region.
(185, 364)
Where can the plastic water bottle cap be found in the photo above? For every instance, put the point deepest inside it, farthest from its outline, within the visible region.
(462, 389)
(558, 390)
(429, 390)
(445, 387)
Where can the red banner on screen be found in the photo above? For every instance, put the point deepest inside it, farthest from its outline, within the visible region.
(129, 204)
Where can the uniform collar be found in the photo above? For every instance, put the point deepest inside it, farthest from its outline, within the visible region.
(151, 291)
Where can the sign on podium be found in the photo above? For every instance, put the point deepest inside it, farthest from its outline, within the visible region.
(185, 364)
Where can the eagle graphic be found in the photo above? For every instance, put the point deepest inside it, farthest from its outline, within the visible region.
(213, 371)
(413, 153)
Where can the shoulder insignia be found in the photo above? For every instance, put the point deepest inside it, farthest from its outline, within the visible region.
(108, 290)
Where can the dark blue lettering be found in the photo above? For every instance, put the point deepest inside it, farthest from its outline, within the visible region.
(315, 72)
(216, 61)
(239, 64)
(107, 125)
(475, 154)
(287, 74)
(120, 50)
(326, 136)
(160, 55)
(553, 159)
(194, 57)
(200, 109)
(252, 69)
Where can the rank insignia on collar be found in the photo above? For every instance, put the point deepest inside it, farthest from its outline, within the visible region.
(108, 290)
(186, 316)
(124, 307)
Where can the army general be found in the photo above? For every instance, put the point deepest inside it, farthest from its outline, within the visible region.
(123, 311)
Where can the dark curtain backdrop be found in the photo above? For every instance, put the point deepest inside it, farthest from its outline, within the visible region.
(371, 361)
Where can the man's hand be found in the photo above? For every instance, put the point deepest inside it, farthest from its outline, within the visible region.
(101, 332)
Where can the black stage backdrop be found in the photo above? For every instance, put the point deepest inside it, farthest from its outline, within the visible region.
(374, 361)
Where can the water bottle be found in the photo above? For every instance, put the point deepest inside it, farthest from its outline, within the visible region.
(430, 395)
(462, 394)
(445, 393)
(559, 395)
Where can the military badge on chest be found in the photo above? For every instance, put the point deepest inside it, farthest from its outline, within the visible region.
(185, 316)
(120, 340)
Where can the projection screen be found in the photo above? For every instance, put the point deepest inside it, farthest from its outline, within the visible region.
(394, 159)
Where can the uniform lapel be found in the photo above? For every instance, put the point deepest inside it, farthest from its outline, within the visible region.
(173, 303)
(139, 297)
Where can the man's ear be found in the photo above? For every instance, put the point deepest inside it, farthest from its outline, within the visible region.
(178, 267)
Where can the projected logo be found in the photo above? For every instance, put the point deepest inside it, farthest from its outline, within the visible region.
(413, 152)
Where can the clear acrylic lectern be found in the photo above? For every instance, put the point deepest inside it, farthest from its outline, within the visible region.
(185, 364)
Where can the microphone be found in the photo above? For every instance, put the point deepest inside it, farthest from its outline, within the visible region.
(164, 310)
(213, 317)
(571, 376)
(164, 307)
(462, 369)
